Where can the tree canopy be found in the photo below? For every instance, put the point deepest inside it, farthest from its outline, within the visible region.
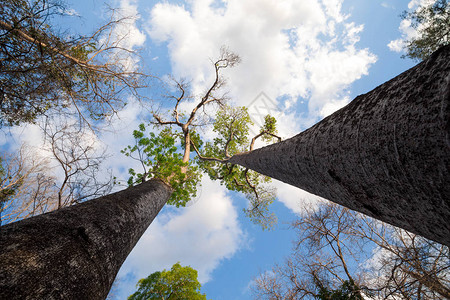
(432, 22)
(347, 291)
(341, 254)
(177, 283)
(159, 158)
(176, 151)
(42, 69)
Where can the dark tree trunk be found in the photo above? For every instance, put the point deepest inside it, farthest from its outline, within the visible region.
(386, 154)
(76, 252)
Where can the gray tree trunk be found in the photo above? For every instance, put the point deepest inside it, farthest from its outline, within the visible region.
(386, 154)
(76, 252)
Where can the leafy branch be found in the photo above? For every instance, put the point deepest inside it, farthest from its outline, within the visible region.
(170, 151)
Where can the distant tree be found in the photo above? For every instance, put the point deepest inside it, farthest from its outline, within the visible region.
(79, 160)
(7, 189)
(177, 283)
(26, 189)
(340, 254)
(167, 155)
(347, 291)
(31, 184)
(42, 69)
(432, 22)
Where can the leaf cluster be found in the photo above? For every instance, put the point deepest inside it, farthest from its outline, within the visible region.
(269, 129)
(177, 283)
(160, 158)
(433, 25)
(347, 291)
(232, 128)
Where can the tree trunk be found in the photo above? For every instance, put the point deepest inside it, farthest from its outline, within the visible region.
(76, 252)
(386, 154)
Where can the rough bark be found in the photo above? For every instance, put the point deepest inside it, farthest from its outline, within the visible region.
(386, 154)
(76, 252)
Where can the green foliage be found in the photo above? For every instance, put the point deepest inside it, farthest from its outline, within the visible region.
(269, 129)
(161, 159)
(433, 25)
(177, 283)
(347, 291)
(232, 128)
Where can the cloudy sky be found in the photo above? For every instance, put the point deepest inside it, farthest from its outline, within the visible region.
(301, 61)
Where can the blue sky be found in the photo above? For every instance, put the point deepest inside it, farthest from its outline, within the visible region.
(307, 57)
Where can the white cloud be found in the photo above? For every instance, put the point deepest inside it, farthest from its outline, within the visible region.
(387, 5)
(127, 31)
(125, 36)
(407, 33)
(413, 4)
(288, 48)
(296, 199)
(201, 235)
(406, 30)
(118, 134)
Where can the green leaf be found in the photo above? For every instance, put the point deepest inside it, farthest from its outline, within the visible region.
(177, 283)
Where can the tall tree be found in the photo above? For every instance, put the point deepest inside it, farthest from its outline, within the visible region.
(341, 254)
(386, 154)
(180, 153)
(43, 69)
(432, 22)
(76, 252)
(177, 283)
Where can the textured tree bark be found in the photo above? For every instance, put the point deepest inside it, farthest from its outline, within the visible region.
(386, 154)
(76, 252)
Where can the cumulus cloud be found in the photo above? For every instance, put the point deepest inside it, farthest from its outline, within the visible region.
(291, 50)
(296, 199)
(407, 33)
(201, 235)
(125, 36)
(127, 32)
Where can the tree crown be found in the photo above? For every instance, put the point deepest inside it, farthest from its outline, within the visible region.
(177, 283)
(179, 153)
(433, 25)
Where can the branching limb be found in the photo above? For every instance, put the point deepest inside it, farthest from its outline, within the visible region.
(200, 156)
(262, 133)
(228, 59)
(159, 121)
